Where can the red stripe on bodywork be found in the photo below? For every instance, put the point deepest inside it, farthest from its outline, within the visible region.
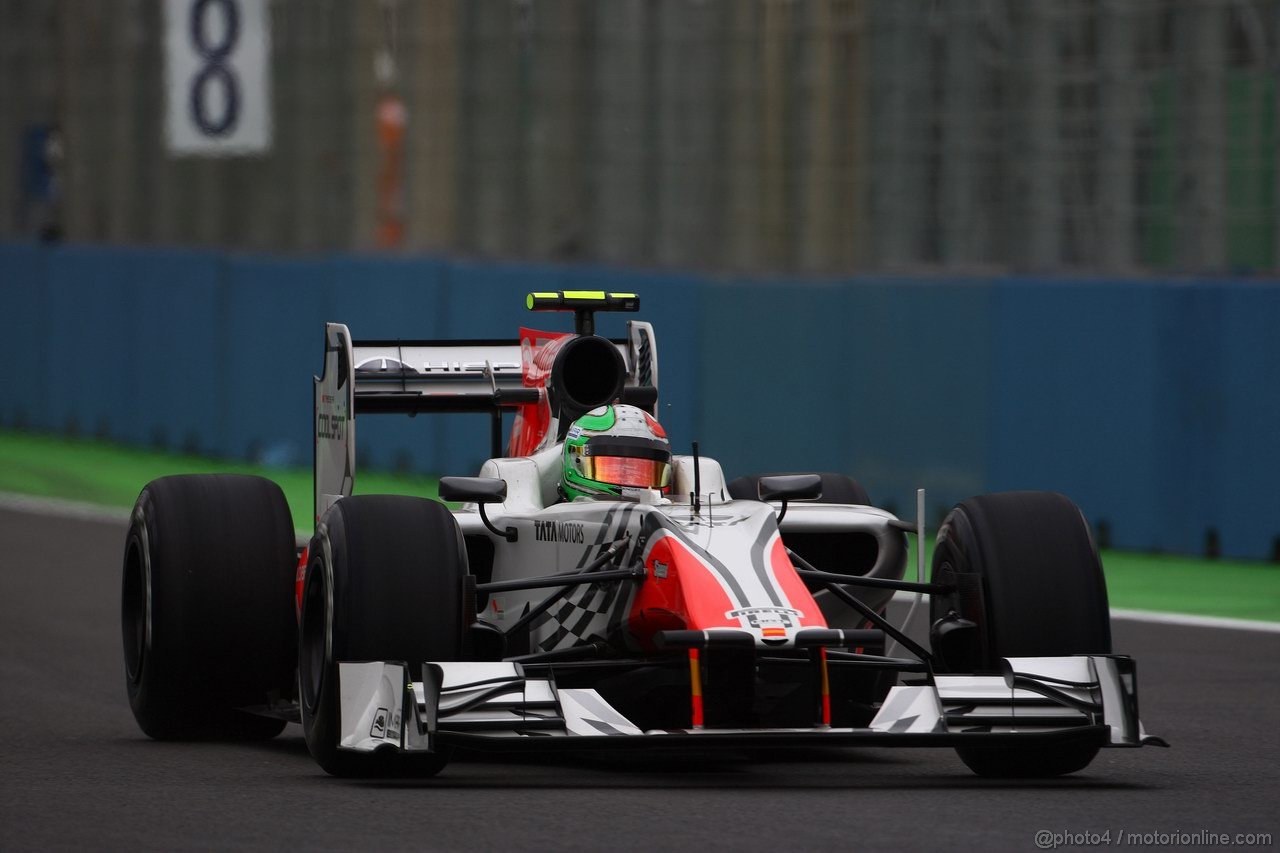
(681, 591)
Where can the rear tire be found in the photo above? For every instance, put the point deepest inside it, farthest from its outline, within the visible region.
(1028, 576)
(207, 606)
(384, 582)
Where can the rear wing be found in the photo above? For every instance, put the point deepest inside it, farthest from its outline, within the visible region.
(410, 377)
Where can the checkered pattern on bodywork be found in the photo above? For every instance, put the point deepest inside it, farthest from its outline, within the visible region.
(591, 612)
(581, 617)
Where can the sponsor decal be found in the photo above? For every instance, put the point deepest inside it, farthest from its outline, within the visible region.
(559, 531)
(659, 569)
(394, 731)
(575, 431)
(382, 365)
(467, 366)
(331, 426)
(767, 618)
(379, 727)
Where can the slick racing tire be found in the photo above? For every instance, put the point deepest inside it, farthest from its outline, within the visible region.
(384, 581)
(1028, 578)
(207, 606)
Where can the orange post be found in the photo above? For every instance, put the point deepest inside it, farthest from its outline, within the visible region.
(826, 689)
(695, 683)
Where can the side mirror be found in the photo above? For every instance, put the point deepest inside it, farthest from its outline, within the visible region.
(478, 490)
(790, 487)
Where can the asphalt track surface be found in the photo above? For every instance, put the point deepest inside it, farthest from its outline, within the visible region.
(77, 773)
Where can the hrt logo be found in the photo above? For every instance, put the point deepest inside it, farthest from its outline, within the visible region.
(766, 617)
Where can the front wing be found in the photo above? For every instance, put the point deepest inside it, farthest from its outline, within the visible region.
(497, 706)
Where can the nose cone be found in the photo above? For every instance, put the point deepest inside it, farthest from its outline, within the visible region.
(733, 575)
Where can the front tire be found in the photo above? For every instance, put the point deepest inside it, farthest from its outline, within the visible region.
(207, 606)
(384, 582)
(1028, 583)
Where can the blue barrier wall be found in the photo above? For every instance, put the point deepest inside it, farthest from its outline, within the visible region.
(1151, 403)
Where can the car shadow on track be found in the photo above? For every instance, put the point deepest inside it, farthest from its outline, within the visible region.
(807, 768)
(837, 768)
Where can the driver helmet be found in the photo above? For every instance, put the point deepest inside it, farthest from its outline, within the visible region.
(615, 452)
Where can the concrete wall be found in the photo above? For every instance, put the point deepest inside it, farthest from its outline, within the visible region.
(1152, 403)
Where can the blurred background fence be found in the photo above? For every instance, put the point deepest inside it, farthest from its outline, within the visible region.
(967, 245)
(823, 136)
(1151, 402)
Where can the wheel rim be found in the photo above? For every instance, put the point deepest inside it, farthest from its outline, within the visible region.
(136, 608)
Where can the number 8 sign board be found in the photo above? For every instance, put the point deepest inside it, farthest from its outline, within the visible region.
(218, 81)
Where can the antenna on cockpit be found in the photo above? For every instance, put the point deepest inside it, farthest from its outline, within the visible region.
(697, 481)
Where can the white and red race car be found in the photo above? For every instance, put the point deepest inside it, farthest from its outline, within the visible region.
(743, 613)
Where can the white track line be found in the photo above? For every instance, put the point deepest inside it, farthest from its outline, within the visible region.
(1186, 619)
(1196, 621)
(64, 508)
(81, 511)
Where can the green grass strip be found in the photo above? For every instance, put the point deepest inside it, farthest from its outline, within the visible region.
(111, 475)
(1232, 588)
(1236, 589)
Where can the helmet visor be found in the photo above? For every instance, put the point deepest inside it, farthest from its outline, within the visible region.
(628, 471)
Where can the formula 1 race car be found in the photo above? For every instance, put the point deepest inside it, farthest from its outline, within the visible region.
(678, 610)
